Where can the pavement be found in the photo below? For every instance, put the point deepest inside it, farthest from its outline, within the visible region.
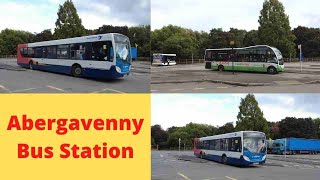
(195, 78)
(169, 165)
(14, 79)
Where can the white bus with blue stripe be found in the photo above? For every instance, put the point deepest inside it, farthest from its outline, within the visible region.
(106, 56)
(242, 148)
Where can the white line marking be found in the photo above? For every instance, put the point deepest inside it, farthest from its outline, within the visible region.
(209, 179)
(52, 87)
(199, 88)
(230, 178)
(105, 89)
(4, 88)
(159, 174)
(176, 89)
(185, 177)
(223, 87)
(22, 90)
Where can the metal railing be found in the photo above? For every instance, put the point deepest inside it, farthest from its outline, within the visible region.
(313, 59)
(189, 61)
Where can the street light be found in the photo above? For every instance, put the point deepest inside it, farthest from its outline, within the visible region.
(232, 53)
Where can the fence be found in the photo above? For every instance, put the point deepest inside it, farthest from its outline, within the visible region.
(182, 148)
(8, 56)
(314, 59)
(189, 61)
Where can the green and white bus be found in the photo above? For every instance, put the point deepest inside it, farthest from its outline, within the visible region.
(260, 58)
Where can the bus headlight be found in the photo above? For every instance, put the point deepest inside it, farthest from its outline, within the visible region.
(264, 157)
(246, 158)
(118, 69)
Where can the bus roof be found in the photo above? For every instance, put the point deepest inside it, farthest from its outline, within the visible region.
(164, 54)
(233, 134)
(228, 49)
(82, 39)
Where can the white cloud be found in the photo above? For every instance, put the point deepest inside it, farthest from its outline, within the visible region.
(37, 15)
(241, 14)
(217, 109)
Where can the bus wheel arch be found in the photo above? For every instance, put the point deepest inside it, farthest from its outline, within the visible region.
(224, 159)
(272, 70)
(201, 155)
(220, 68)
(76, 70)
(30, 64)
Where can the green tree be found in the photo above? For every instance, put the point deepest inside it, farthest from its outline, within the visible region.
(188, 133)
(250, 116)
(274, 29)
(9, 40)
(158, 134)
(227, 128)
(274, 130)
(251, 38)
(298, 128)
(176, 40)
(140, 37)
(45, 35)
(239, 35)
(317, 122)
(220, 39)
(310, 40)
(68, 23)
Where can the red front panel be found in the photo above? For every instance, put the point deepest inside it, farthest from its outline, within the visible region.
(20, 58)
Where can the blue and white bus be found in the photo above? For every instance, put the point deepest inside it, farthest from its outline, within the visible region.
(164, 59)
(106, 56)
(242, 148)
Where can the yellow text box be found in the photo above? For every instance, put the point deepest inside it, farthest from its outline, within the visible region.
(75, 106)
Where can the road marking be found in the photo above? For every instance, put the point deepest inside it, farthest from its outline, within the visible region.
(209, 179)
(161, 155)
(230, 178)
(52, 87)
(182, 175)
(113, 90)
(4, 88)
(160, 174)
(222, 87)
(22, 90)
(176, 89)
(199, 88)
(153, 90)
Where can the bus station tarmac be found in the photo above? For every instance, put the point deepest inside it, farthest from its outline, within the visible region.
(14, 79)
(167, 165)
(195, 78)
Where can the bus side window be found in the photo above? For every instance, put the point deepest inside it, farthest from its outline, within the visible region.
(38, 52)
(88, 51)
(52, 52)
(63, 52)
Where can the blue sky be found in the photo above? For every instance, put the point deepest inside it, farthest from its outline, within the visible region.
(37, 15)
(241, 14)
(217, 109)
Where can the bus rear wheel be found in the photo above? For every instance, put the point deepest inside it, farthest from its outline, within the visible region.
(76, 70)
(220, 68)
(224, 159)
(272, 70)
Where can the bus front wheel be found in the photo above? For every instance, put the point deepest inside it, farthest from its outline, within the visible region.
(76, 70)
(220, 68)
(30, 65)
(272, 70)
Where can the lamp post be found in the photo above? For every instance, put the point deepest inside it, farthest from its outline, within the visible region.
(232, 57)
